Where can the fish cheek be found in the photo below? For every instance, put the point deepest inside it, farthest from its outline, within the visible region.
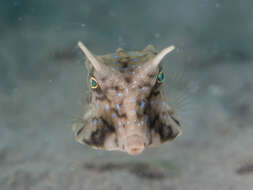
(168, 131)
(162, 131)
(94, 133)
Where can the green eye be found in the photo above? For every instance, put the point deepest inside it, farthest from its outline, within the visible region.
(160, 76)
(93, 83)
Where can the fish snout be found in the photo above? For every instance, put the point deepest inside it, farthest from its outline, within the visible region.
(134, 144)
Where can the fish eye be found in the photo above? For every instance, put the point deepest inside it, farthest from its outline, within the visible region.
(160, 76)
(93, 83)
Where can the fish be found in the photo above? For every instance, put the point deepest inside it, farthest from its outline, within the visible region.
(127, 109)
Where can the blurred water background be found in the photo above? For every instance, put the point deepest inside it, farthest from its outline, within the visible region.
(43, 82)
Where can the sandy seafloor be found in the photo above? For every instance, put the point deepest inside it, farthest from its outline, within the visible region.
(43, 83)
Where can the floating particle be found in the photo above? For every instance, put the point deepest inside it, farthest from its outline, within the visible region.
(131, 53)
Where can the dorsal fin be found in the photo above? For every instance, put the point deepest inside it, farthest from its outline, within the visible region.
(122, 53)
(149, 48)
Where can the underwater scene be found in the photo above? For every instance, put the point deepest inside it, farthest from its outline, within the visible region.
(126, 95)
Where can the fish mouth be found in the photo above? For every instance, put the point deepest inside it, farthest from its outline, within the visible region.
(134, 145)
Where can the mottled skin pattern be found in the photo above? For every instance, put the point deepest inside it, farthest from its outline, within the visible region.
(128, 110)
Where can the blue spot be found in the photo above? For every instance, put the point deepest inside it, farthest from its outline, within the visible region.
(118, 106)
(144, 89)
(164, 116)
(115, 56)
(97, 104)
(136, 60)
(163, 103)
(140, 54)
(153, 131)
(133, 73)
(126, 69)
(94, 122)
(135, 120)
(133, 66)
(133, 99)
(145, 118)
(99, 121)
(107, 107)
(119, 94)
(152, 102)
(142, 104)
(113, 115)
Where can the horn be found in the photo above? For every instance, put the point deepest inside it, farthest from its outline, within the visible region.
(91, 57)
(154, 62)
(158, 58)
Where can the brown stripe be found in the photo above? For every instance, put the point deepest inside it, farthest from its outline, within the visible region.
(111, 128)
(176, 121)
(152, 123)
(118, 114)
(128, 79)
(102, 98)
(165, 132)
(98, 137)
(79, 131)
